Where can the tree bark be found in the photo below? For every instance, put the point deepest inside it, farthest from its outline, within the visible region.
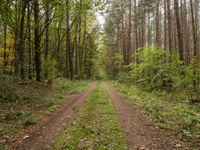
(129, 45)
(169, 26)
(22, 38)
(158, 44)
(68, 42)
(194, 32)
(29, 42)
(37, 41)
(178, 28)
(186, 33)
(47, 30)
(123, 33)
(5, 46)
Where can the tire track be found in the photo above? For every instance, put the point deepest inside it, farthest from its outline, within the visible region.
(44, 136)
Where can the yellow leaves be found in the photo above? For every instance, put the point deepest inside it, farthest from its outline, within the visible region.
(10, 41)
(9, 51)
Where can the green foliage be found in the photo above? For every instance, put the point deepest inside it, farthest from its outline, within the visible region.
(50, 70)
(11, 94)
(180, 117)
(152, 72)
(157, 70)
(28, 103)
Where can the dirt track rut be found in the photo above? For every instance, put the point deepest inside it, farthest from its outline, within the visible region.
(140, 131)
(43, 137)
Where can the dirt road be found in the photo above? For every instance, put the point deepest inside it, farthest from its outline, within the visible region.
(45, 135)
(140, 131)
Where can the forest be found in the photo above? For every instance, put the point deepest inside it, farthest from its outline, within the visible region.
(100, 74)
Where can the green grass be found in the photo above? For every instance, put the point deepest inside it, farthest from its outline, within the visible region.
(179, 115)
(22, 105)
(96, 126)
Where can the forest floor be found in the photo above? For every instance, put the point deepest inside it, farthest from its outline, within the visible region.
(98, 118)
(26, 105)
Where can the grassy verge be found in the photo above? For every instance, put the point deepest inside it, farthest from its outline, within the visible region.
(177, 115)
(27, 103)
(95, 126)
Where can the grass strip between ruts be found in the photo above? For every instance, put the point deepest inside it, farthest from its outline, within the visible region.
(96, 126)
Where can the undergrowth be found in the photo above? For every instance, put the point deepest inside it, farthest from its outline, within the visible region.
(170, 110)
(27, 103)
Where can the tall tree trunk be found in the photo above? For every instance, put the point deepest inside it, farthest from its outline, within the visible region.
(46, 36)
(5, 47)
(178, 28)
(158, 44)
(196, 54)
(75, 47)
(165, 25)
(186, 34)
(135, 25)
(169, 25)
(47, 30)
(123, 33)
(142, 24)
(37, 40)
(68, 41)
(22, 38)
(83, 44)
(149, 36)
(129, 45)
(29, 42)
(194, 30)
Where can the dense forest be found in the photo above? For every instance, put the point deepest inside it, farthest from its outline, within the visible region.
(155, 42)
(88, 73)
(45, 39)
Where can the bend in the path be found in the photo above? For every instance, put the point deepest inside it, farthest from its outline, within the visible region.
(140, 132)
(43, 137)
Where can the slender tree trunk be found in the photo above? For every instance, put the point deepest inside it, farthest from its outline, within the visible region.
(37, 40)
(68, 41)
(22, 38)
(29, 42)
(186, 33)
(169, 25)
(165, 25)
(194, 32)
(5, 47)
(83, 44)
(123, 33)
(136, 25)
(129, 48)
(143, 24)
(46, 36)
(47, 31)
(178, 28)
(75, 47)
(158, 44)
(149, 36)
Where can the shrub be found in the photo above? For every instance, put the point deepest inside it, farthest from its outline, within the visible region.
(50, 70)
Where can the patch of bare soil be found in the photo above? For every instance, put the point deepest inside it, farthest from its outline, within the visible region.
(140, 131)
(43, 136)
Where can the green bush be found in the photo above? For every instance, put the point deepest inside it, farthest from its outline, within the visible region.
(157, 70)
(50, 70)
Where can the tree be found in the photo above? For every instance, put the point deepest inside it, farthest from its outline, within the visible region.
(179, 28)
(37, 40)
(68, 42)
(21, 45)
